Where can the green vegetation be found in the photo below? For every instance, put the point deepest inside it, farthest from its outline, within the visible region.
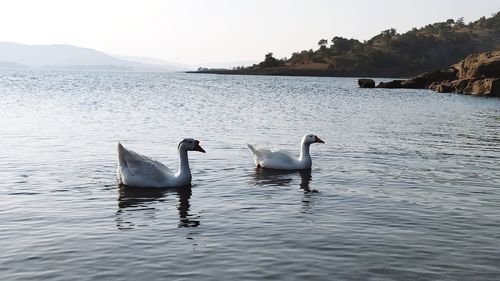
(270, 61)
(389, 53)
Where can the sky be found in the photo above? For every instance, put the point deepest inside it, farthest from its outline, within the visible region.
(202, 31)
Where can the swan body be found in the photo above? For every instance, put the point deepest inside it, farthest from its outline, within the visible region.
(283, 160)
(138, 170)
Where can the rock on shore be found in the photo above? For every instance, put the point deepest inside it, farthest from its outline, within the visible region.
(477, 74)
(366, 83)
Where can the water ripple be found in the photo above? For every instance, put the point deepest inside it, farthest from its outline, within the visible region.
(406, 186)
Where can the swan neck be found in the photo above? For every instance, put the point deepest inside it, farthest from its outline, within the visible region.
(183, 163)
(304, 151)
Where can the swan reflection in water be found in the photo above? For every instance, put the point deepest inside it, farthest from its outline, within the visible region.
(142, 204)
(266, 177)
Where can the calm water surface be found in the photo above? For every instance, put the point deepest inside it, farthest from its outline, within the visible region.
(407, 185)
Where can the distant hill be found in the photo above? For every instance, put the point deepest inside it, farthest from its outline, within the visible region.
(157, 63)
(218, 65)
(14, 55)
(11, 64)
(388, 54)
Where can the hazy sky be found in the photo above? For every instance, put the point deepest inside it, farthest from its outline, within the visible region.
(197, 32)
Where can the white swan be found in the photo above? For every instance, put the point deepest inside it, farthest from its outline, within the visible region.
(141, 171)
(283, 160)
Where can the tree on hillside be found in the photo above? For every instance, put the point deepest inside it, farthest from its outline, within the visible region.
(342, 45)
(339, 45)
(322, 44)
(270, 61)
(493, 22)
(389, 33)
(384, 36)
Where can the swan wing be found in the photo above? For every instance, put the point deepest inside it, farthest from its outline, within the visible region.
(279, 159)
(137, 165)
(258, 154)
(279, 155)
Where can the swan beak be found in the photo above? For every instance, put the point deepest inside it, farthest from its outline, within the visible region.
(197, 147)
(319, 140)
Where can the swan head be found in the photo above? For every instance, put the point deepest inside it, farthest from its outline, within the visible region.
(310, 139)
(190, 145)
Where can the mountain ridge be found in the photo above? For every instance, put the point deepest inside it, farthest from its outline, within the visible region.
(65, 56)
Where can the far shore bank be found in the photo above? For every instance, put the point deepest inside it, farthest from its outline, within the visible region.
(295, 72)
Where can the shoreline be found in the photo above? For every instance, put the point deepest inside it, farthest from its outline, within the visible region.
(298, 73)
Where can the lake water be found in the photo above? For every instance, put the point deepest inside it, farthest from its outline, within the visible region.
(407, 186)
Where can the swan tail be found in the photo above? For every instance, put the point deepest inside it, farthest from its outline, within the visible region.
(255, 154)
(122, 163)
(121, 151)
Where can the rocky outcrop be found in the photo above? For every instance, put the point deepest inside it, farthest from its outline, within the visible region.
(479, 65)
(366, 83)
(394, 84)
(420, 82)
(475, 86)
(425, 80)
(477, 74)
